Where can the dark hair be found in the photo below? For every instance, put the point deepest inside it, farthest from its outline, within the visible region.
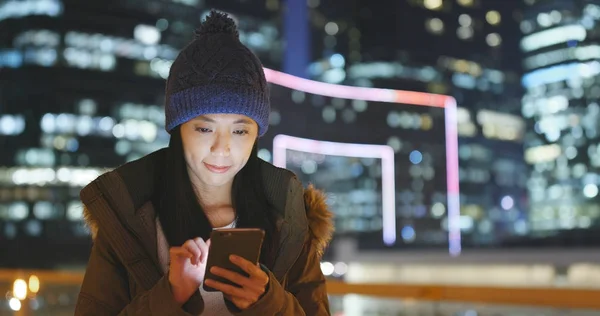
(181, 215)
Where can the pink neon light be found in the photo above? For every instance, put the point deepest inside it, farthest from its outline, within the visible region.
(452, 178)
(355, 93)
(281, 143)
(396, 96)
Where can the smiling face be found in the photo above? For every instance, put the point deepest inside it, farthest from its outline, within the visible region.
(217, 147)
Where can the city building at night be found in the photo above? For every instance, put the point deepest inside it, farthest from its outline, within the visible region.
(561, 47)
(467, 49)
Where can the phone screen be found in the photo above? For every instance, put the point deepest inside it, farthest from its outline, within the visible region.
(242, 242)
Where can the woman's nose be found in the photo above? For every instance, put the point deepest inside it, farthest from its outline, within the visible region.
(221, 146)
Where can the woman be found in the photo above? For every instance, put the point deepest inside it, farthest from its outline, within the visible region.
(150, 219)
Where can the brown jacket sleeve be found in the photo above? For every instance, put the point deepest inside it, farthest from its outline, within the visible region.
(306, 292)
(105, 289)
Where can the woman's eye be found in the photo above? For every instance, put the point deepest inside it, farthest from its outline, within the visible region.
(203, 130)
(241, 132)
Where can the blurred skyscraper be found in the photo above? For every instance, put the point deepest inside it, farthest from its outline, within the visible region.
(81, 89)
(561, 44)
(464, 48)
(297, 38)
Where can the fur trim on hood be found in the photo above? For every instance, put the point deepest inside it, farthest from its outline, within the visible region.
(320, 218)
(90, 222)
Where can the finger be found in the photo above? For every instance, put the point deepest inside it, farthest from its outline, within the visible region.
(193, 248)
(208, 243)
(252, 269)
(241, 304)
(203, 248)
(246, 265)
(243, 281)
(179, 252)
(233, 291)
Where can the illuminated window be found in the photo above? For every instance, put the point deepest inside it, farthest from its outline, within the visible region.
(193, 3)
(562, 55)
(493, 17)
(102, 49)
(335, 75)
(395, 143)
(337, 61)
(162, 24)
(74, 211)
(329, 114)
(435, 26)
(465, 3)
(76, 177)
(36, 157)
(18, 9)
(37, 38)
(274, 118)
(544, 19)
(556, 16)
(465, 20)
(44, 210)
(331, 28)
(33, 227)
(40, 56)
(11, 58)
(12, 124)
(17, 211)
(493, 39)
(572, 73)
(84, 59)
(464, 80)
(465, 33)
(147, 34)
(161, 67)
(433, 4)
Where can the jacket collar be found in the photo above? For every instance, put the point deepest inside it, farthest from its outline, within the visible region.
(126, 190)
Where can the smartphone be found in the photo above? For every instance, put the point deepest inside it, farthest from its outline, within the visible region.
(242, 242)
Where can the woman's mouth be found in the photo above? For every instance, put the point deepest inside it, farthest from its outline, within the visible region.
(216, 169)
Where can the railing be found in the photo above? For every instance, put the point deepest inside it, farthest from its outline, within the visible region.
(542, 297)
(558, 298)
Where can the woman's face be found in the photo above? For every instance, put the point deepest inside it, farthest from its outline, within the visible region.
(217, 146)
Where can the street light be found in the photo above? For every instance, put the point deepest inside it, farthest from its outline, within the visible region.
(34, 284)
(21, 291)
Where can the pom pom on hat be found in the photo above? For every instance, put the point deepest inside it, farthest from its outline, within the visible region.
(215, 23)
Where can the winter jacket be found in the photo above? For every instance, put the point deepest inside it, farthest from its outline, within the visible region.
(123, 276)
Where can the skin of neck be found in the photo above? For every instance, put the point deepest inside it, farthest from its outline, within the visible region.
(212, 198)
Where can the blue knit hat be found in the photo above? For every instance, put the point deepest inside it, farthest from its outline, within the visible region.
(216, 74)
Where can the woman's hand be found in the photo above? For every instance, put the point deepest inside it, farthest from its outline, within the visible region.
(186, 268)
(250, 288)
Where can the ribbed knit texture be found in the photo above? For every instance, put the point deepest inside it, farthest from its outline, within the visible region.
(216, 74)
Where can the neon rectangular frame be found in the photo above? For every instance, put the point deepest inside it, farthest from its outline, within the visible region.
(283, 142)
(401, 97)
